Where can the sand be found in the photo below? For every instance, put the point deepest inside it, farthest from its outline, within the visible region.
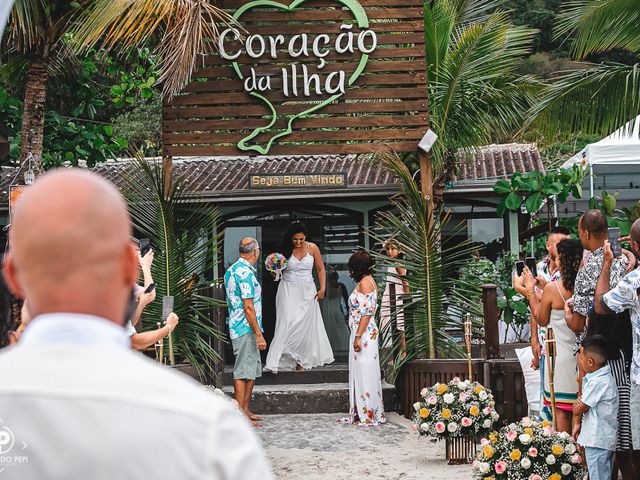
(314, 447)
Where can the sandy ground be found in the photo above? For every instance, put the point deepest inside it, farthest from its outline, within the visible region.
(314, 447)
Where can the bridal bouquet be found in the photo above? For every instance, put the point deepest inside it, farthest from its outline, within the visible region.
(276, 263)
(528, 450)
(456, 409)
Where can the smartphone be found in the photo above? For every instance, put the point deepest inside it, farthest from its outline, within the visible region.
(150, 288)
(167, 307)
(519, 268)
(530, 262)
(145, 246)
(614, 241)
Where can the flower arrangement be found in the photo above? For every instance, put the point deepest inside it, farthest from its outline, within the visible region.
(276, 263)
(528, 450)
(455, 409)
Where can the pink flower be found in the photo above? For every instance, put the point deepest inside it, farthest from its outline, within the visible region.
(533, 452)
(511, 436)
(432, 400)
(501, 467)
(486, 410)
(463, 397)
(456, 379)
(535, 477)
(576, 459)
(526, 422)
(423, 392)
(546, 431)
(414, 427)
(466, 422)
(483, 441)
(440, 427)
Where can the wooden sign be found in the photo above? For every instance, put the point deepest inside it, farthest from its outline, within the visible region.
(306, 77)
(303, 180)
(15, 191)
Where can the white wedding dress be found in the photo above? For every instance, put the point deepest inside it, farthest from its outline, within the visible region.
(300, 337)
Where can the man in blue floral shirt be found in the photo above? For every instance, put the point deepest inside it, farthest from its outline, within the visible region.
(244, 301)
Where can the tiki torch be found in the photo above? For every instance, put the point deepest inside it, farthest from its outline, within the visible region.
(159, 347)
(467, 338)
(550, 345)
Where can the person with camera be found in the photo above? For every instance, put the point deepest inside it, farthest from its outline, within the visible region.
(144, 296)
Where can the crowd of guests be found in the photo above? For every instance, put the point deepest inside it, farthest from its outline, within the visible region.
(585, 314)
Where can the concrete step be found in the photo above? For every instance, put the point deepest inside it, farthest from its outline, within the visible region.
(334, 373)
(307, 398)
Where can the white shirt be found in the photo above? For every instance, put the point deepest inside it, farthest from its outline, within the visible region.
(77, 403)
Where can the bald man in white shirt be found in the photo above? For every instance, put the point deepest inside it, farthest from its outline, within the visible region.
(75, 402)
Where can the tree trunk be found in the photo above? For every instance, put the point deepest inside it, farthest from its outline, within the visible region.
(35, 97)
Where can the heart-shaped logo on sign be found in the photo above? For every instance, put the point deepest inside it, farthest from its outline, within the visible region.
(334, 84)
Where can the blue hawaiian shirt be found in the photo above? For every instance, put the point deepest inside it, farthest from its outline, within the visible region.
(240, 283)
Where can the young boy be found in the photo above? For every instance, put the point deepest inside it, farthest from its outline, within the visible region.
(595, 414)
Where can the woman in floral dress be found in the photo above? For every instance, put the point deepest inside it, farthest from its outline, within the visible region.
(365, 387)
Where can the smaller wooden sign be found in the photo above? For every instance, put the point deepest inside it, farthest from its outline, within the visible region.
(14, 194)
(293, 181)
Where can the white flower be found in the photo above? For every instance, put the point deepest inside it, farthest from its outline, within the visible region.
(432, 400)
(423, 392)
(416, 406)
(424, 427)
(565, 469)
(565, 436)
(495, 416)
(487, 423)
(526, 422)
(551, 459)
(483, 395)
(462, 386)
(476, 464)
(570, 449)
(525, 439)
(452, 427)
(448, 398)
(484, 467)
(525, 463)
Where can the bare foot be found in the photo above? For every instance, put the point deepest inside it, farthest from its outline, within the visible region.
(256, 425)
(253, 417)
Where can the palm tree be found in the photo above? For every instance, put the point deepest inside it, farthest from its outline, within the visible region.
(181, 30)
(182, 231)
(475, 93)
(598, 98)
(431, 267)
(32, 47)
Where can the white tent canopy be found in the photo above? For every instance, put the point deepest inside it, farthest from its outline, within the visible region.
(621, 148)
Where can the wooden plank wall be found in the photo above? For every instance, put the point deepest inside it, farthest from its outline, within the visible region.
(387, 105)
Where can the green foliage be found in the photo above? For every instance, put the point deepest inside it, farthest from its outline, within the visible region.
(70, 141)
(136, 82)
(514, 307)
(182, 233)
(535, 188)
(431, 267)
(475, 92)
(141, 127)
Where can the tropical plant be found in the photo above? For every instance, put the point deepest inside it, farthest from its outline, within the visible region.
(475, 93)
(536, 188)
(181, 30)
(598, 98)
(431, 267)
(33, 46)
(182, 231)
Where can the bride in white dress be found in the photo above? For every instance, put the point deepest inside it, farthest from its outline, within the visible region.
(300, 340)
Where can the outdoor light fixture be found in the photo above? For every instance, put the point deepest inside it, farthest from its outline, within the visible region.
(29, 177)
(428, 140)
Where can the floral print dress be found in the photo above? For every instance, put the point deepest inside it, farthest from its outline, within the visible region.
(365, 387)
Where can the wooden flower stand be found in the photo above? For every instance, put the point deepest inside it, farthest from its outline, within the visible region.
(461, 450)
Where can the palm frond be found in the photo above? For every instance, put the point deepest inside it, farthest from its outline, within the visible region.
(184, 28)
(27, 23)
(182, 231)
(431, 266)
(595, 100)
(601, 25)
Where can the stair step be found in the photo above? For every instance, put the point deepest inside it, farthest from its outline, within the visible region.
(307, 398)
(335, 373)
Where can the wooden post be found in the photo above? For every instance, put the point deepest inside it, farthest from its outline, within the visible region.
(491, 317)
(167, 170)
(426, 176)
